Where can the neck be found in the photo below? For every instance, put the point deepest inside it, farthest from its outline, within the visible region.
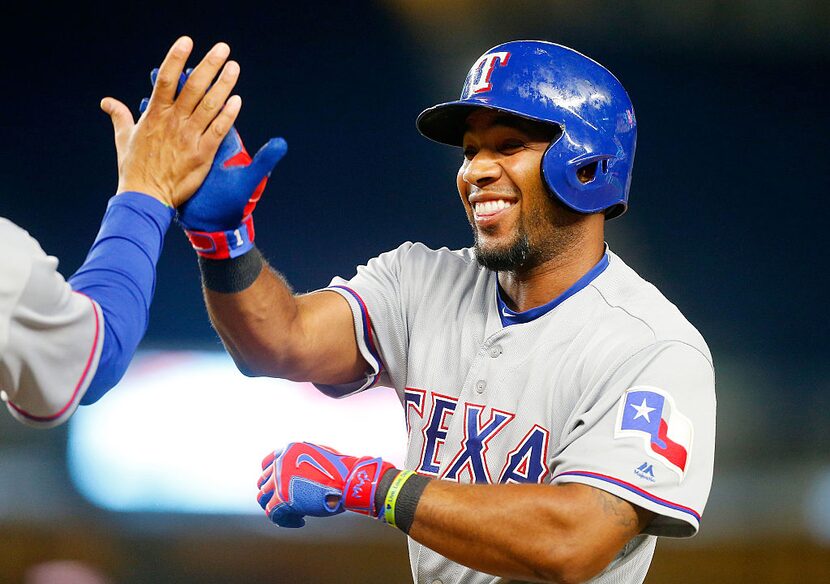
(538, 285)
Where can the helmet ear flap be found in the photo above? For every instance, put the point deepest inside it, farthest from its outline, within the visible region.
(585, 183)
(588, 172)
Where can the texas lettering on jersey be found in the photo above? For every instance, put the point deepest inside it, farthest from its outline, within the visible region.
(524, 463)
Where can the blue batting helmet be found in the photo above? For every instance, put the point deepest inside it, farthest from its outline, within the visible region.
(553, 84)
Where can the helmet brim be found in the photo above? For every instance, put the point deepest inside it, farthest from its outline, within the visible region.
(446, 123)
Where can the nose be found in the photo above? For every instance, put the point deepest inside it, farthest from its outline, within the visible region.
(482, 170)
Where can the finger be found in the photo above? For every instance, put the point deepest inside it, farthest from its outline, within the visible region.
(182, 79)
(215, 98)
(142, 107)
(272, 505)
(266, 462)
(164, 88)
(201, 77)
(122, 121)
(266, 474)
(268, 156)
(220, 126)
(264, 497)
(289, 520)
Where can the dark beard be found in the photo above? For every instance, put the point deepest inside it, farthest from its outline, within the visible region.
(508, 259)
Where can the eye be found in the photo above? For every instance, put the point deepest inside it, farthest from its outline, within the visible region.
(469, 152)
(511, 146)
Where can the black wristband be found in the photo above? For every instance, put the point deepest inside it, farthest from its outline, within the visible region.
(407, 500)
(231, 275)
(383, 486)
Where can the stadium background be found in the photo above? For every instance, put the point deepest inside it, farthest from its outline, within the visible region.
(727, 218)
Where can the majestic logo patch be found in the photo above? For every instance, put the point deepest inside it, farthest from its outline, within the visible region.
(650, 414)
(645, 471)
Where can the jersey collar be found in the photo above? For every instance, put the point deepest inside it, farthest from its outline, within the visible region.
(509, 317)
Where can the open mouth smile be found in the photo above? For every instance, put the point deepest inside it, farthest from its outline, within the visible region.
(486, 211)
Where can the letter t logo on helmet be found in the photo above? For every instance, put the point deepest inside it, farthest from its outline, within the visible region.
(588, 168)
(478, 80)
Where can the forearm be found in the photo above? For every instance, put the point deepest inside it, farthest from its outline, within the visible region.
(253, 310)
(119, 273)
(539, 533)
(270, 331)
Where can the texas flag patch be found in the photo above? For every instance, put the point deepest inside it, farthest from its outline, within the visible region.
(650, 414)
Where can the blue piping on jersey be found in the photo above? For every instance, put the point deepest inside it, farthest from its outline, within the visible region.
(367, 331)
(634, 489)
(509, 317)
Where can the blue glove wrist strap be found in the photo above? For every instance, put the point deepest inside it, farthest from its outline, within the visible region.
(222, 245)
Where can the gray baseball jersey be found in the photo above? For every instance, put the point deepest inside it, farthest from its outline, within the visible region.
(50, 336)
(606, 385)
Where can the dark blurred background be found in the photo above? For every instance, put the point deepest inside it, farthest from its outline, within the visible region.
(727, 218)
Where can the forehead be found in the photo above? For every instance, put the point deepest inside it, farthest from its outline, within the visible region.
(481, 120)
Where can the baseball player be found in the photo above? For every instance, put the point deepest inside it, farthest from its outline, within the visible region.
(64, 343)
(560, 410)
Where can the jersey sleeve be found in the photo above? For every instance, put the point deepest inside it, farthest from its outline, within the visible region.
(647, 435)
(374, 295)
(50, 336)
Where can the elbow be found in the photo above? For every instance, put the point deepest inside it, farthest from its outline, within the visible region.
(569, 564)
(112, 365)
(249, 367)
(264, 364)
(575, 573)
(247, 371)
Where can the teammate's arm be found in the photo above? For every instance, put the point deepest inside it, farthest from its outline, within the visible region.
(162, 160)
(67, 347)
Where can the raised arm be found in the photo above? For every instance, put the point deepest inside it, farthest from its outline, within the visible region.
(265, 327)
(69, 343)
(270, 331)
(162, 160)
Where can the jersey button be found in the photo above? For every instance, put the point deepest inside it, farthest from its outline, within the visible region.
(481, 385)
(495, 351)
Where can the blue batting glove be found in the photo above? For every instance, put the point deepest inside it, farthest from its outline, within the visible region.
(307, 479)
(218, 218)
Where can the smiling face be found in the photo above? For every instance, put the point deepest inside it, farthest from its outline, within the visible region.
(516, 224)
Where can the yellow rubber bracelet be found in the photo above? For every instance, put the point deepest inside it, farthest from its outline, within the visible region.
(392, 496)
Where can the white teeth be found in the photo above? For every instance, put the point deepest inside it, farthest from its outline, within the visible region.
(490, 207)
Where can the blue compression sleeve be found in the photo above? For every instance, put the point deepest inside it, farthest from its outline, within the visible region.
(119, 273)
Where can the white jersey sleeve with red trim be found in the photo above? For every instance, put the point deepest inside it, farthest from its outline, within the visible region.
(375, 295)
(647, 435)
(50, 336)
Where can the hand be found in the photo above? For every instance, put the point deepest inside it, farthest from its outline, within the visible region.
(306, 479)
(233, 186)
(168, 153)
(218, 218)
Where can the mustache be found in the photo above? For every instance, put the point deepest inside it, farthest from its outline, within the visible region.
(501, 190)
